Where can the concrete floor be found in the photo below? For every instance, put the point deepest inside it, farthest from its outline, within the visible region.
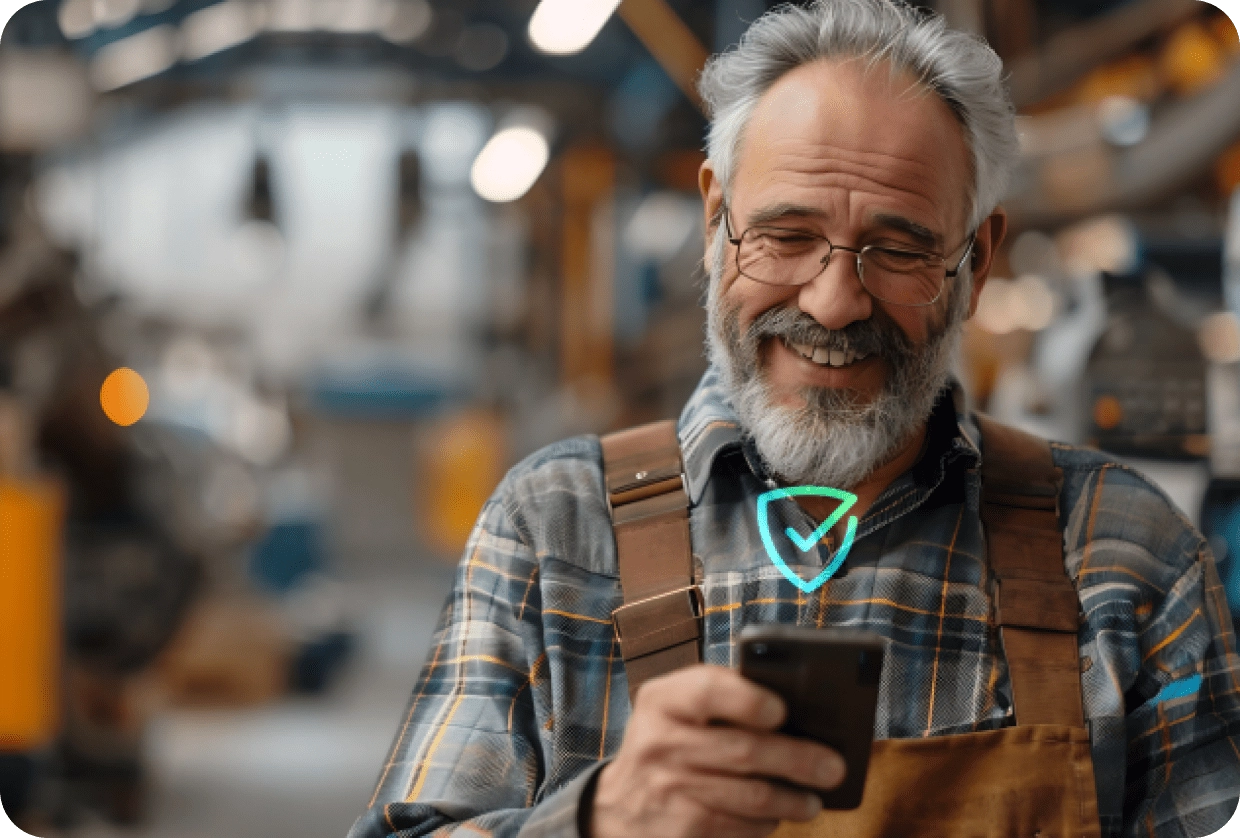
(302, 767)
(306, 767)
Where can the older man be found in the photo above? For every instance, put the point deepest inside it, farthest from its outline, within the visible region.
(857, 154)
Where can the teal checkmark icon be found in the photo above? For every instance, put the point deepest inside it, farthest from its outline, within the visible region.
(806, 543)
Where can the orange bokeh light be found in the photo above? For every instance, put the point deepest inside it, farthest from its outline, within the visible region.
(124, 396)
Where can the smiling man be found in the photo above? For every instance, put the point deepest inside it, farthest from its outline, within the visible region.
(1059, 657)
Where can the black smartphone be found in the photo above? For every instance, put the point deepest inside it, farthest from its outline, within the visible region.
(829, 680)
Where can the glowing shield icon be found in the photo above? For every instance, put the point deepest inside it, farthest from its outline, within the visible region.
(805, 544)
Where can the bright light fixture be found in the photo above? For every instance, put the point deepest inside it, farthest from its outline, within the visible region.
(509, 164)
(563, 27)
(76, 18)
(352, 17)
(134, 58)
(79, 18)
(216, 28)
(112, 13)
(404, 21)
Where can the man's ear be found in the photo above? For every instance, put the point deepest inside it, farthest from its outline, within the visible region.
(989, 236)
(712, 202)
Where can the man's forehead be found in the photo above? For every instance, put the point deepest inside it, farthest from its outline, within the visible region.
(854, 93)
(841, 124)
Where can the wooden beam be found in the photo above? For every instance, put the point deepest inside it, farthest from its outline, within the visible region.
(1074, 52)
(587, 260)
(670, 41)
(1184, 141)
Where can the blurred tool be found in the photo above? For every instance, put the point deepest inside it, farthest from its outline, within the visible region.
(31, 517)
(1145, 381)
(123, 579)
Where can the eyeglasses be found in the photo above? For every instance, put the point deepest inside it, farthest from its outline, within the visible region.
(786, 256)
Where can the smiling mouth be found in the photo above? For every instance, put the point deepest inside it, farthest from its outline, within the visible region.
(824, 357)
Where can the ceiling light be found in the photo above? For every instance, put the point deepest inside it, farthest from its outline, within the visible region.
(217, 28)
(354, 17)
(509, 164)
(564, 27)
(404, 21)
(132, 59)
(76, 18)
(112, 13)
(291, 16)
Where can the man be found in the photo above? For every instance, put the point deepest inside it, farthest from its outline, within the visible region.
(857, 153)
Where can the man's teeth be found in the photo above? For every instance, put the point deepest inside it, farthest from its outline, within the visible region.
(826, 357)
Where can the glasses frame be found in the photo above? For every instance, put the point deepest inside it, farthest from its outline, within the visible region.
(735, 241)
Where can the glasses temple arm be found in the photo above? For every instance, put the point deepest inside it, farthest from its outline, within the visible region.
(972, 242)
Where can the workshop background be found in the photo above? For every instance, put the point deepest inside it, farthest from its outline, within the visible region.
(286, 285)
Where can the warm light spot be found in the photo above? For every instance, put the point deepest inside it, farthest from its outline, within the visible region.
(1108, 413)
(124, 396)
(564, 27)
(1219, 338)
(509, 164)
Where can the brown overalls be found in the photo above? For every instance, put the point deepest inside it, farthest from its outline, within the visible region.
(1034, 780)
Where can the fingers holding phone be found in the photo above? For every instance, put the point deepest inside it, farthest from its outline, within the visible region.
(701, 756)
(829, 682)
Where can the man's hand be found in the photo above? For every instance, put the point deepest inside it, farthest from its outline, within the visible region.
(695, 761)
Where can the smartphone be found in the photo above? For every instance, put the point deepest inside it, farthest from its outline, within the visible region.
(829, 680)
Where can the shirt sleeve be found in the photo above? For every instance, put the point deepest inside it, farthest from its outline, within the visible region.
(468, 757)
(1184, 713)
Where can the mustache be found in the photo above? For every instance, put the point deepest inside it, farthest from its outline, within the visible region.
(874, 336)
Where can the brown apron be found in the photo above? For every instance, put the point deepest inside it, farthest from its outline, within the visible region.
(1033, 780)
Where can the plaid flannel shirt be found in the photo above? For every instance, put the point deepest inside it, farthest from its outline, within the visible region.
(524, 696)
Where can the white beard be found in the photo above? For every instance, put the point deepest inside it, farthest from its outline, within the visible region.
(833, 439)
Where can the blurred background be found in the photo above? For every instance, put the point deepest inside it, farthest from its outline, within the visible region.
(286, 285)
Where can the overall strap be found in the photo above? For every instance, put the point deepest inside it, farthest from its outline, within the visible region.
(659, 624)
(1036, 604)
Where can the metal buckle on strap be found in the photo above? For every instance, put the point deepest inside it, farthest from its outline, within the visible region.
(650, 485)
(676, 614)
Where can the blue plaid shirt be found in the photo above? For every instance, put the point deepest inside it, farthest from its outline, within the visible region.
(524, 694)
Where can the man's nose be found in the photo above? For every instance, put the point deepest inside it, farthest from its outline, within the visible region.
(836, 297)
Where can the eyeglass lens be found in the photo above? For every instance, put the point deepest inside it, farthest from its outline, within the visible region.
(787, 257)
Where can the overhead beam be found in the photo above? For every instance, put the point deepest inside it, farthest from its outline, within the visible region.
(1185, 139)
(670, 41)
(1074, 52)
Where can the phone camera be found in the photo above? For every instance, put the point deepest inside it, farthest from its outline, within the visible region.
(759, 649)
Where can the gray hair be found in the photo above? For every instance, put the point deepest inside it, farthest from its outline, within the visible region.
(962, 69)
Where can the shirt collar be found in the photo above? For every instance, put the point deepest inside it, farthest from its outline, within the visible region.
(708, 427)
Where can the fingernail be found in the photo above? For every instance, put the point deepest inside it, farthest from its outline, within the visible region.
(772, 711)
(813, 805)
(831, 771)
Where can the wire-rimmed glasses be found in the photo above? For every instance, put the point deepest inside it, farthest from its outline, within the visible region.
(775, 255)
